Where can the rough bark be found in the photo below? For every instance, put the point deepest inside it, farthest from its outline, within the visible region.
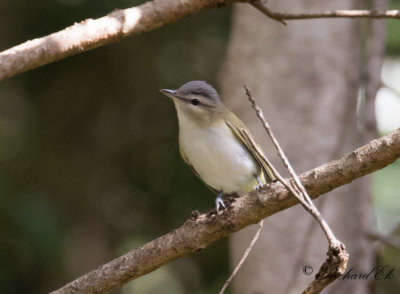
(203, 229)
(93, 33)
(308, 75)
(121, 23)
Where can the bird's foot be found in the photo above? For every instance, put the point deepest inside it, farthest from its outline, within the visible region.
(256, 187)
(219, 202)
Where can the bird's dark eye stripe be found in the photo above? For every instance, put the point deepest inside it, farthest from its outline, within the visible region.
(195, 101)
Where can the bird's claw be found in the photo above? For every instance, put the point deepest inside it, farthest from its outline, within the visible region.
(256, 187)
(219, 202)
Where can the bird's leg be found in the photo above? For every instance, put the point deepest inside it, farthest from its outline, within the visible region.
(259, 183)
(219, 202)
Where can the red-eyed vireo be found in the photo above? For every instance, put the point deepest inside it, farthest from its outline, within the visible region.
(215, 143)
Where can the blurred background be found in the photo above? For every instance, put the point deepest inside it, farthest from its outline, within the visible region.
(89, 159)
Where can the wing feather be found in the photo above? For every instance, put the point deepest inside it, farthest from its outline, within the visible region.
(240, 130)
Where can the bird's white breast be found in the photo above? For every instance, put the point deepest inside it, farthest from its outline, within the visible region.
(218, 156)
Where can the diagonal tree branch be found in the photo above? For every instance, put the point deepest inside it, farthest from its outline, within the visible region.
(242, 260)
(121, 23)
(203, 229)
(93, 33)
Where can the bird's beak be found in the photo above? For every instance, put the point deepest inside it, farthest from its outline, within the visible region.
(169, 93)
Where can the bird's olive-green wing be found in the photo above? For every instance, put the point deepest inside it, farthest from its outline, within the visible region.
(186, 160)
(241, 131)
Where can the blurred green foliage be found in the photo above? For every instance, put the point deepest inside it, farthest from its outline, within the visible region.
(386, 190)
(386, 186)
(389, 257)
(89, 160)
(393, 34)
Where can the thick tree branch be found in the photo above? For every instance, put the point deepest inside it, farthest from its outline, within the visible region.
(119, 24)
(203, 229)
(93, 33)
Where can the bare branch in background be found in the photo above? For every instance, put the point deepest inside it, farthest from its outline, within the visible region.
(199, 232)
(121, 23)
(282, 16)
(391, 238)
(385, 239)
(261, 5)
(246, 253)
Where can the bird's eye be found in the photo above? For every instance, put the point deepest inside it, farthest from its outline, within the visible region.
(195, 101)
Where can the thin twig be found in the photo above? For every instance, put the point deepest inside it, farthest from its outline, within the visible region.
(278, 148)
(199, 232)
(292, 189)
(282, 16)
(261, 5)
(308, 204)
(246, 253)
(333, 242)
(385, 239)
(275, 172)
(336, 262)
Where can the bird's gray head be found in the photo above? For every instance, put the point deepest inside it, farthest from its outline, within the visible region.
(197, 99)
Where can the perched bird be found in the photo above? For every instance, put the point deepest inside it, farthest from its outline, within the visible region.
(215, 143)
